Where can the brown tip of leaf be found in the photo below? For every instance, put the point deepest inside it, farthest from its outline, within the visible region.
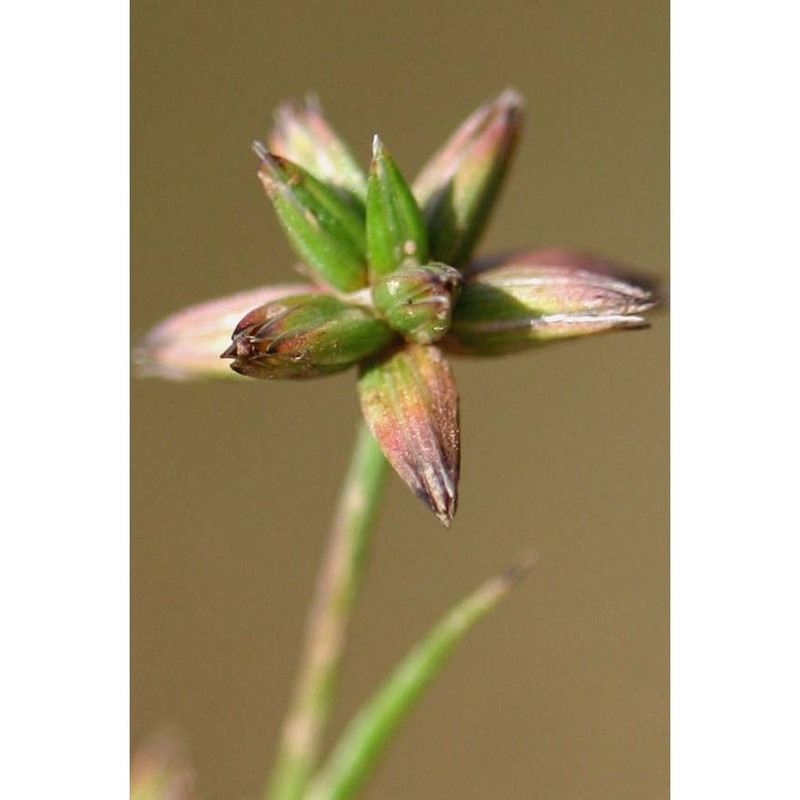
(520, 568)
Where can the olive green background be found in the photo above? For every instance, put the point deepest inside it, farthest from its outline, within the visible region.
(562, 692)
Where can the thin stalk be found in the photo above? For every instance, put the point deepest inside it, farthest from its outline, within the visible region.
(336, 590)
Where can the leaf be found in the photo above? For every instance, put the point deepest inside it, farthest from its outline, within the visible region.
(367, 736)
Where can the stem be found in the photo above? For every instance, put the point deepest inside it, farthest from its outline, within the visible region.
(337, 585)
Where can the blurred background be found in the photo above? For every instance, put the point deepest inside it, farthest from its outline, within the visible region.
(563, 691)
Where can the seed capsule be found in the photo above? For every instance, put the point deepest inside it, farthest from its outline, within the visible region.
(325, 230)
(396, 234)
(410, 401)
(458, 186)
(417, 302)
(186, 345)
(517, 303)
(303, 135)
(304, 336)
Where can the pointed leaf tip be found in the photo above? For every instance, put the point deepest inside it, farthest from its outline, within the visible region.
(410, 401)
(515, 572)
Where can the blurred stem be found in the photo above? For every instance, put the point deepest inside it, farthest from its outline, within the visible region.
(337, 586)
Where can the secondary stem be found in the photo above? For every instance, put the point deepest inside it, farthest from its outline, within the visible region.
(337, 586)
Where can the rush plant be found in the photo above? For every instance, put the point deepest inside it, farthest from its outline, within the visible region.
(391, 289)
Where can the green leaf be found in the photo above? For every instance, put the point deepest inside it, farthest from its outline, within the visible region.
(366, 737)
(395, 229)
(327, 232)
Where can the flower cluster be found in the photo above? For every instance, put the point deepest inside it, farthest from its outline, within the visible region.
(392, 287)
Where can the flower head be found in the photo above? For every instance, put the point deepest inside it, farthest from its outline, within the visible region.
(393, 287)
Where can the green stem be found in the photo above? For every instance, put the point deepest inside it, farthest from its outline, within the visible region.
(336, 591)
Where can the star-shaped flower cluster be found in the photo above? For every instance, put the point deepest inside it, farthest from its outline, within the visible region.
(392, 287)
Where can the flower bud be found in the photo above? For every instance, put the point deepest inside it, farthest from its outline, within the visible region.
(458, 186)
(327, 232)
(410, 401)
(302, 134)
(396, 235)
(304, 336)
(417, 302)
(516, 304)
(187, 344)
